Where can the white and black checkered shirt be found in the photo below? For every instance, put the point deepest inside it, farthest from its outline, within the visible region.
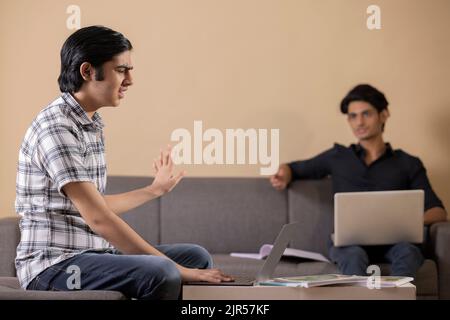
(62, 145)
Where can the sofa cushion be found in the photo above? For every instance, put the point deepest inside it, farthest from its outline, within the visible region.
(223, 215)
(9, 238)
(426, 279)
(10, 290)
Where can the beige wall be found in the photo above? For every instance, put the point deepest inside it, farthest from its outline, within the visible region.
(239, 64)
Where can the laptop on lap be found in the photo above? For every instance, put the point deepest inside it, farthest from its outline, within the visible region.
(378, 217)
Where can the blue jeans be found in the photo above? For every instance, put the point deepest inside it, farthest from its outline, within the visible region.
(136, 276)
(405, 258)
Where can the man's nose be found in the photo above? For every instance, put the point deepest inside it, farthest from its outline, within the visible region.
(359, 120)
(128, 81)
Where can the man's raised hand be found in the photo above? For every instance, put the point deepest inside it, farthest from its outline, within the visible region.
(165, 180)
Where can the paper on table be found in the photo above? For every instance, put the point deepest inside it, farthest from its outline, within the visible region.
(337, 279)
(264, 252)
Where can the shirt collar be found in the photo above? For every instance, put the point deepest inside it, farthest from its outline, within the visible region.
(80, 115)
(361, 152)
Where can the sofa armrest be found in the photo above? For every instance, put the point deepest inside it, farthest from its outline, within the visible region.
(440, 243)
(9, 239)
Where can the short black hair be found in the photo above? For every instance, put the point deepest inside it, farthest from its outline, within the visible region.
(94, 44)
(367, 93)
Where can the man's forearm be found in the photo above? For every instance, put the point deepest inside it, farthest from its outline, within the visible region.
(104, 222)
(124, 238)
(123, 202)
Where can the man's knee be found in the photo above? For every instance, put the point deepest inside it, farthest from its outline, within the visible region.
(350, 260)
(404, 250)
(164, 280)
(201, 257)
(406, 259)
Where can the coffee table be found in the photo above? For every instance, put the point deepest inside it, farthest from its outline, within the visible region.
(341, 292)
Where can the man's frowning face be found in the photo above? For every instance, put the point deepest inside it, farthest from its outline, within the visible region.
(115, 81)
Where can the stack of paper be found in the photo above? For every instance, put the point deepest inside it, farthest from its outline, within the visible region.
(337, 279)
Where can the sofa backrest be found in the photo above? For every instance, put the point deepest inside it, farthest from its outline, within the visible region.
(222, 214)
(233, 214)
(311, 203)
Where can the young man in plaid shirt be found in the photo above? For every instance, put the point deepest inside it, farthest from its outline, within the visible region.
(67, 220)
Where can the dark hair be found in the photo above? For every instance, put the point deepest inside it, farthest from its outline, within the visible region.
(94, 44)
(367, 93)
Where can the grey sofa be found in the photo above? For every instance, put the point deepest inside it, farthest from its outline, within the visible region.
(234, 215)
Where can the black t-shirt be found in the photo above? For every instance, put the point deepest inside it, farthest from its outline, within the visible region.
(394, 170)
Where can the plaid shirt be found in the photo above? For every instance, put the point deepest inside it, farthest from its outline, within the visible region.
(62, 145)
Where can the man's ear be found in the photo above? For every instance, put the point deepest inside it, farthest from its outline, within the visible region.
(87, 71)
(384, 115)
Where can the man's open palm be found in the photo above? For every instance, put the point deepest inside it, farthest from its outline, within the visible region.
(165, 180)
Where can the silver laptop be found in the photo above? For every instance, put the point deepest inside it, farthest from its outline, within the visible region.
(265, 273)
(378, 217)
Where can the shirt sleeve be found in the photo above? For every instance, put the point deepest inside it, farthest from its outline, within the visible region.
(59, 154)
(317, 167)
(419, 180)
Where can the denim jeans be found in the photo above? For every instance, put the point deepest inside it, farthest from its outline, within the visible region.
(136, 276)
(405, 258)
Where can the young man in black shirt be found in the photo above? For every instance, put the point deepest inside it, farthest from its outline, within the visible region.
(369, 165)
